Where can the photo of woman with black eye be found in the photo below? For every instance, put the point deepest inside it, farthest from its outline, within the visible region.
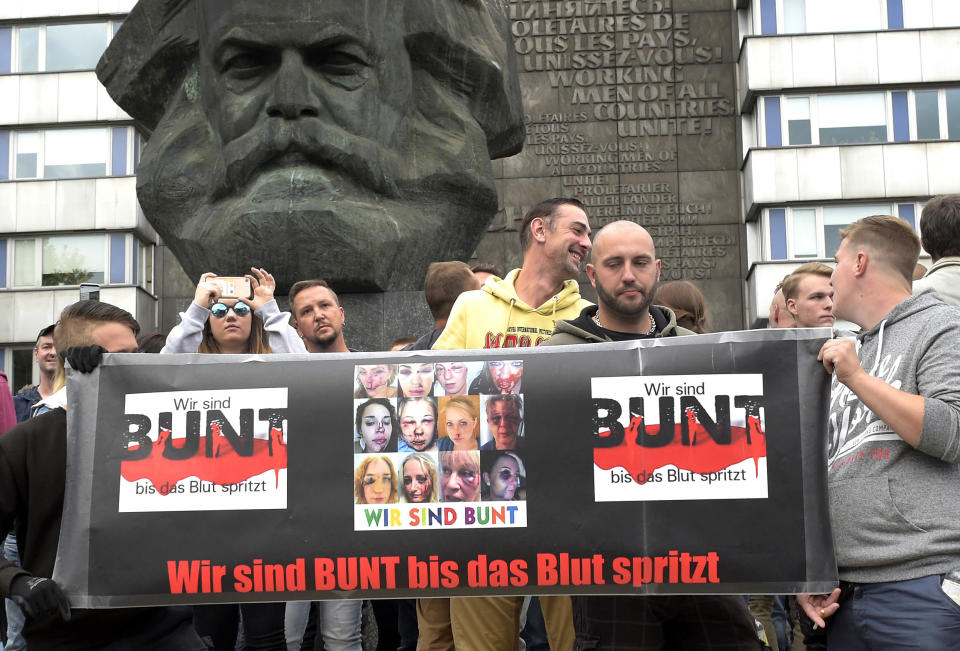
(504, 476)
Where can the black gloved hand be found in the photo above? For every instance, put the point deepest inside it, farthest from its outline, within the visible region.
(39, 598)
(84, 358)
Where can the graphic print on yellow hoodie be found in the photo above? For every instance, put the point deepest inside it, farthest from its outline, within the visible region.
(495, 317)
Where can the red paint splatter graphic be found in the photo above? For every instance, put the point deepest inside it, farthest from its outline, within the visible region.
(703, 455)
(224, 468)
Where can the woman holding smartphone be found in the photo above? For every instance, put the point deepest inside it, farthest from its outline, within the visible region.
(214, 323)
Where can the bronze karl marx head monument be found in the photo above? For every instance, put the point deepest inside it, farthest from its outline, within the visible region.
(345, 139)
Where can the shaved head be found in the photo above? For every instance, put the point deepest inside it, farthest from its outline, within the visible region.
(613, 231)
(625, 272)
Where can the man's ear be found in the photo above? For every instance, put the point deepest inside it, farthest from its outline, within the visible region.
(592, 274)
(792, 307)
(538, 228)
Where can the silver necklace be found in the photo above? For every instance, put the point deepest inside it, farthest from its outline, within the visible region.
(653, 324)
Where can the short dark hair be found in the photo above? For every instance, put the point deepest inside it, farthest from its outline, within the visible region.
(940, 226)
(890, 238)
(301, 285)
(445, 281)
(547, 211)
(511, 398)
(486, 268)
(151, 342)
(46, 332)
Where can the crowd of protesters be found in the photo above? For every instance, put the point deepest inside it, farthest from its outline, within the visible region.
(896, 385)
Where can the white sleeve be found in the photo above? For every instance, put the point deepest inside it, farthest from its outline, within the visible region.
(186, 335)
(282, 336)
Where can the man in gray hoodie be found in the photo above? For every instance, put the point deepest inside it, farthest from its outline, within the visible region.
(893, 451)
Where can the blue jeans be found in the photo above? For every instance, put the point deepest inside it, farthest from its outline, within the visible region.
(15, 641)
(913, 614)
(338, 621)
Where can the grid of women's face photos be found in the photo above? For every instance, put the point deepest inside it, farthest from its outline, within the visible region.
(448, 431)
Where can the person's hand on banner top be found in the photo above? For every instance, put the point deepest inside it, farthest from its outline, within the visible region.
(84, 358)
(39, 597)
(840, 356)
(819, 606)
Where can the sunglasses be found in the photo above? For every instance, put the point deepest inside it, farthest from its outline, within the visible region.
(220, 310)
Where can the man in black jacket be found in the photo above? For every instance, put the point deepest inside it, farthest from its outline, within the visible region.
(32, 477)
(625, 271)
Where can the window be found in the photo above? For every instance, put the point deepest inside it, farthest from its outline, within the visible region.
(852, 118)
(953, 113)
(67, 260)
(814, 232)
(928, 115)
(818, 16)
(930, 13)
(858, 118)
(73, 259)
(22, 369)
(71, 153)
(58, 48)
(798, 120)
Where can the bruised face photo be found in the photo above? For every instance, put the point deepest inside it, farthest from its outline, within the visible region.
(376, 428)
(503, 420)
(506, 375)
(418, 477)
(504, 478)
(375, 481)
(418, 424)
(452, 376)
(460, 476)
(416, 380)
(375, 380)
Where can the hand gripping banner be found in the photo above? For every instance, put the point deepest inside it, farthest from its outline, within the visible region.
(688, 465)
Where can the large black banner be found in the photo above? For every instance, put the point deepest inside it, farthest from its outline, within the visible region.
(682, 465)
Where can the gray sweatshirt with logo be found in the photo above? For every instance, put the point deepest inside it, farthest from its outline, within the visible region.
(895, 509)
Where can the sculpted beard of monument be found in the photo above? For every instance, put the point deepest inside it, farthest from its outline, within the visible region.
(347, 139)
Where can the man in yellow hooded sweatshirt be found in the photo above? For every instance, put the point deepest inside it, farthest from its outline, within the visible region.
(555, 238)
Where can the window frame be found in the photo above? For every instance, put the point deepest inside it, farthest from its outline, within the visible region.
(136, 251)
(130, 147)
(767, 243)
(15, 53)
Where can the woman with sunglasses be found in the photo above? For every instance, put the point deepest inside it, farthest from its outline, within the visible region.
(213, 324)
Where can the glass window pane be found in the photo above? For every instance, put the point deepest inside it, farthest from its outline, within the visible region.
(953, 113)
(22, 368)
(836, 218)
(73, 259)
(24, 263)
(29, 60)
(805, 233)
(946, 13)
(28, 144)
(852, 118)
(845, 16)
(917, 13)
(73, 153)
(798, 120)
(928, 116)
(75, 47)
(794, 17)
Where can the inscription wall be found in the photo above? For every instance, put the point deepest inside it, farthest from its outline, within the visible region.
(630, 107)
